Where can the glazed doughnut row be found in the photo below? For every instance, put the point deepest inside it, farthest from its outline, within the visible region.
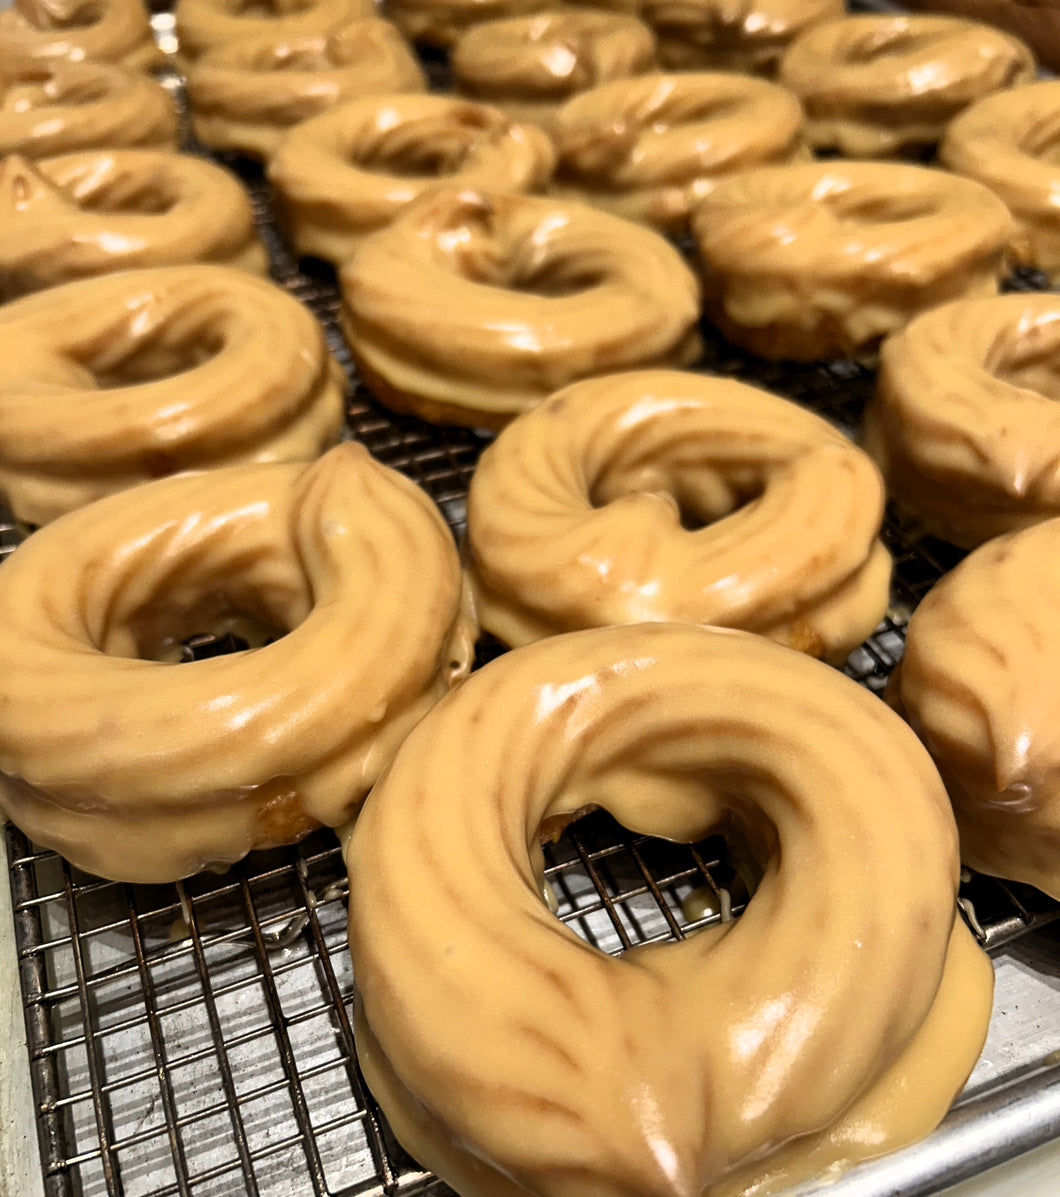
(730, 535)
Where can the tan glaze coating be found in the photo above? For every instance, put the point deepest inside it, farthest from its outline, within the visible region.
(1037, 22)
(530, 66)
(1010, 143)
(824, 1025)
(876, 85)
(978, 684)
(246, 95)
(50, 107)
(965, 423)
(441, 22)
(353, 171)
(650, 148)
(823, 260)
(113, 381)
(201, 24)
(114, 31)
(661, 496)
(731, 35)
(473, 307)
(99, 211)
(142, 770)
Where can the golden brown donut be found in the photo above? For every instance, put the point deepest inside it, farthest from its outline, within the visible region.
(650, 148)
(663, 496)
(1007, 142)
(245, 95)
(741, 1059)
(824, 259)
(965, 423)
(353, 171)
(79, 30)
(876, 85)
(142, 770)
(978, 684)
(50, 107)
(92, 213)
(732, 35)
(473, 307)
(201, 24)
(530, 66)
(109, 382)
(1037, 22)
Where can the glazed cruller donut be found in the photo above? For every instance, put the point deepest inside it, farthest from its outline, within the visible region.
(245, 95)
(657, 495)
(473, 307)
(743, 1058)
(50, 107)
(824, 259)
(352, 171)
(78, 31)
(109, 382)
(874, 85)
(98, 211)
(144, 770)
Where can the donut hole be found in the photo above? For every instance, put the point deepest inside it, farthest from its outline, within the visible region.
(159, 356)
(1029, 359)
(126, 195)
(859, 208)
(1042, 141)
(81, 16)
(554, 278)
(427, 148)
(700, 497)
(871, 46)
(268, 9)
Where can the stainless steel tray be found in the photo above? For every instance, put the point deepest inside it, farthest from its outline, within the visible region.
(195, 1039)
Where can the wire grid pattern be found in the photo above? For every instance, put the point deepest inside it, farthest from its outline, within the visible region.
(196, 1040)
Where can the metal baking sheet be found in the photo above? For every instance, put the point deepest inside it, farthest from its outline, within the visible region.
(196, 1039)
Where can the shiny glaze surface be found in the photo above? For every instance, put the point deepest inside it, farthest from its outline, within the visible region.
(473, 307)
(530, 66)
(665, 496)
(205, 23)
(143, 770)
(50, 107)
(113, 381)
(876, 85)
(79, 31)
(354, 170)
(650, 148)
(80, 215)
(824, 259)
(965, 423)
(533, 1063)
(441, 22)
(731, 35)
(1010, 142)
(978, 684)
(246, 94)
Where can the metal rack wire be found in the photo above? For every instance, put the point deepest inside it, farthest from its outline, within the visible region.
(196, 1040)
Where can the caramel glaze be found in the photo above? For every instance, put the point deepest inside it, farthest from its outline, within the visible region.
(353, 171)
(665, 496)
(141, 770)
(731, 35)
(473, 307)
(50, 107)
(98, 211)
(115, 31)
(876, 85)
(1009, 142)
(113, 381)
(650, 148)
(964, 423)
(978, 685)
(824, 259)
(441, 22)
(201, 24)
(245, 95)
(741, 1059)
(530, 66)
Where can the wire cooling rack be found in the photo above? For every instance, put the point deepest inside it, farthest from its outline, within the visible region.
(196, 1039)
